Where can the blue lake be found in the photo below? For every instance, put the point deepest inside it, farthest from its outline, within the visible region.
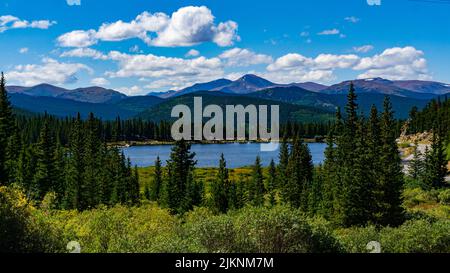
(207, 155)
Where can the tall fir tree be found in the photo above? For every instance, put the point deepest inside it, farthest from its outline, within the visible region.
(220, 188)
(390, 178)
(257, 184)
(271, 183)
(6, 130)
(157, 181)
(179, 168)
(45, 176)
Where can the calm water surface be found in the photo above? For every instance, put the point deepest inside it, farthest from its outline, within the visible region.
(207, 155)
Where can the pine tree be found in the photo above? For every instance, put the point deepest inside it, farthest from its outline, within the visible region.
(179, 168)
(436, 167)
(257, 183)
(220, 188)
(300, 169)
(390, 178)
(157, 181)
(282, 174)
(6, 130)
(75, 167)
(416, 168)
(329, 176)
(194, 193)
(271, 183)
(45, 176)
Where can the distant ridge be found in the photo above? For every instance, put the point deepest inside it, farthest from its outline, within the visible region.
(92, 94)
(251, 83)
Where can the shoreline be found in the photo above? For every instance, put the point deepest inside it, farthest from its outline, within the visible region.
(127, 144)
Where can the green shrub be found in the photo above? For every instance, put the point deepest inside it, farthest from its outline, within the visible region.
(22, 229)
(416, 236)
(444, 197)
(259, 230)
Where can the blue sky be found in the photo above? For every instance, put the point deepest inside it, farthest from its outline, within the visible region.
(140, 46)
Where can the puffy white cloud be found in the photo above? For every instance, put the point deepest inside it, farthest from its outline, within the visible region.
(11, 22)
(330, 61)
(78, 38)
(152, 66)
(192, 53)
(50, 71)
(395, 63)
(185, 27)
(333, 31)
(100, 81)
(244, 57)
(290, 61)
(84, 53)
(294, 67)
(363, 49)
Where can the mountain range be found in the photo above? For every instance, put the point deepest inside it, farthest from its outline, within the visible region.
(311, 97)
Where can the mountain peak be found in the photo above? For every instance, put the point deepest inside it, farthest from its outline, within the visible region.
(252, 78)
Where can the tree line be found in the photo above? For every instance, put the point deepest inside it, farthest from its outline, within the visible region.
(80, 173)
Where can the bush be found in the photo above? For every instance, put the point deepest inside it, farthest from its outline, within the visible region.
(259, 230)
(417, 236)
(444, 197)
(22, 229)
(121, 229)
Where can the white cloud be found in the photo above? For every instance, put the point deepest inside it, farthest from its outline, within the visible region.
(294, 67)
(84, 53)
(78, 38)
(363, 49)
(352, 19)
(11, 22)
(192, 53)
(23, 50)
(187, 26)
(50, 71)
(151, 66)
(330, 61)
(333, 31)
(74, 2)
(397, 63)
(244, 57)
(131, 91)
(100, 81)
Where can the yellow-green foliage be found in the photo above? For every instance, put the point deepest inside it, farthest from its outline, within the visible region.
(434, 203)
(415, 236)
(22, 228)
